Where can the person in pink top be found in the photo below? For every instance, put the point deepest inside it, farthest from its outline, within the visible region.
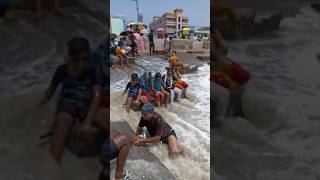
(139, 41)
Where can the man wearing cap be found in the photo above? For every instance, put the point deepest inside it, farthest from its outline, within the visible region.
(159, 130)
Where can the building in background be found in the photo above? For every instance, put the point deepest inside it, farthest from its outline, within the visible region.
(170, 22)
(117, 24)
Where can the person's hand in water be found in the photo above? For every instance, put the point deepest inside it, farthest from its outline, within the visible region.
(138, 141)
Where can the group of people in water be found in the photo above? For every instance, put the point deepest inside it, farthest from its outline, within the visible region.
(159, 89)
(226, 74)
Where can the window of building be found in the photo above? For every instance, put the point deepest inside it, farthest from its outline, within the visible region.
(179, 27)
(179, 19)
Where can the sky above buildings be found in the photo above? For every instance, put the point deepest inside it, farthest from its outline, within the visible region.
(198, 11)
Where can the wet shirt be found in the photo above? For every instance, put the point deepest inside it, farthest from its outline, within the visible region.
(157, 84)
(173, 60)
(168, 81)
(133, 89)
(156, 126)
(78, 91)
(145, 84)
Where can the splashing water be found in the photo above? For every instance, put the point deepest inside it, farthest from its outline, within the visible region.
(189, 117)
(279, 137)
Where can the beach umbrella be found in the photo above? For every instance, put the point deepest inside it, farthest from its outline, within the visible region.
(132, 23)
(186, 29)
(126, 32)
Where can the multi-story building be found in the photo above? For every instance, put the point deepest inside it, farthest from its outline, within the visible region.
(117, 24)
(170, 22)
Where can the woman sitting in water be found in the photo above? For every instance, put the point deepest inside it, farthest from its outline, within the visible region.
(134, 93)
(179, 83)
(145, 81)
(158, 91)
(169, 86)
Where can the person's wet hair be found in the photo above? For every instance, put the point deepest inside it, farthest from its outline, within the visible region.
(134, 76)
(78, 45)
(158, 75)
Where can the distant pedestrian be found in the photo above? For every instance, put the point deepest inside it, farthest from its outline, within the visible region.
(151, 42)
(167, 45)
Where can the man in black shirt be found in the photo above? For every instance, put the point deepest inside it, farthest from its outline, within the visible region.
(151, 42)
(159, 130)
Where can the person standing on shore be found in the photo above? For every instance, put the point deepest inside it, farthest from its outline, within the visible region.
(167, 45)
(151, 42)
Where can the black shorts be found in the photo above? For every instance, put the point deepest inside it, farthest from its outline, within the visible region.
(77, 111)
(109, 150)
(164, 139)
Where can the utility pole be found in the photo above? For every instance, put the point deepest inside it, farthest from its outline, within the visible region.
(137, 9)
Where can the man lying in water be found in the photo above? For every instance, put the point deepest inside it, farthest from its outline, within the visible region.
(118, 146)
(79, 98)
(159, 130)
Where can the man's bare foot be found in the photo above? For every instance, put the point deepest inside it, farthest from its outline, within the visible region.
(122, 175)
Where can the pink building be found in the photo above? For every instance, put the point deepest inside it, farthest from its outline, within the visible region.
(170, 22)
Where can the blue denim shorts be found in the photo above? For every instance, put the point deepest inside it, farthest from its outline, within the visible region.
(109, 149)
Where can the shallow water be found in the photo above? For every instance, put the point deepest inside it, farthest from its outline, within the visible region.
(279, 137)
(189, 118)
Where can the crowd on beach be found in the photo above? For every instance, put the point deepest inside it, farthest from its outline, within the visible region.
(131, 43)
